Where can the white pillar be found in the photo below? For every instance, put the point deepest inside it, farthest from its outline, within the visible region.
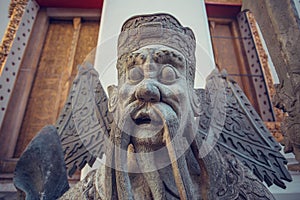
(190, 13)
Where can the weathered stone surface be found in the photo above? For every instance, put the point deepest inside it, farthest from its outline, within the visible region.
(154, 103)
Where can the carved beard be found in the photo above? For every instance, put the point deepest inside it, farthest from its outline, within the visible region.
(147, 164)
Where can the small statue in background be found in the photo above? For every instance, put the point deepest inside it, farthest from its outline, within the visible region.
(162, 138)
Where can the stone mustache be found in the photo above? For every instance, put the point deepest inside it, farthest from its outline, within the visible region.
(161, 137)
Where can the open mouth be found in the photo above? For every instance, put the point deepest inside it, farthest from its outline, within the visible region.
(142, 120)
(146, 116)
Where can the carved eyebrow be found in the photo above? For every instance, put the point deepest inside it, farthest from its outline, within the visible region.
(135, 58)
(169, 57)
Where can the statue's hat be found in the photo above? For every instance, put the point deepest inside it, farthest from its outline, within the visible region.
(163, 29)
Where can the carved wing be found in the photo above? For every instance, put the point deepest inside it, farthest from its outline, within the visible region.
(84, 122)
(243, 134)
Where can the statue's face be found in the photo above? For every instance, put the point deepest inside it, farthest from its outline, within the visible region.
(154, 74)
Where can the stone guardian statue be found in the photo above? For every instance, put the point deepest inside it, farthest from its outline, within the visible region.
(161, 137)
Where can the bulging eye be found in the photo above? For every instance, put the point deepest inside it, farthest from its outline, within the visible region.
(135, 74)
(168, 74)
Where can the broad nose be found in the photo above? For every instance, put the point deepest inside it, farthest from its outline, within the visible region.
(147, 91)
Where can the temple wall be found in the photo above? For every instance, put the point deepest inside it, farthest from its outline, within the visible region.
(280, 26)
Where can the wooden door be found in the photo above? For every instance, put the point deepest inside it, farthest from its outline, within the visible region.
(66, 45)
(236, 51)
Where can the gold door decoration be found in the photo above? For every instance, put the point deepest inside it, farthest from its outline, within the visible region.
(15, 13)
(66, 45)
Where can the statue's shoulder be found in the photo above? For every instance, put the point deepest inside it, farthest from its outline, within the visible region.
(85, 189)
(91, 187)
(232, 180)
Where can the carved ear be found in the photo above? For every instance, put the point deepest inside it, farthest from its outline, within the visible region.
(112, 97)
(196, 102)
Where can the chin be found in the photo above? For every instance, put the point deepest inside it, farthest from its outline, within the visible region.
(145, 135)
